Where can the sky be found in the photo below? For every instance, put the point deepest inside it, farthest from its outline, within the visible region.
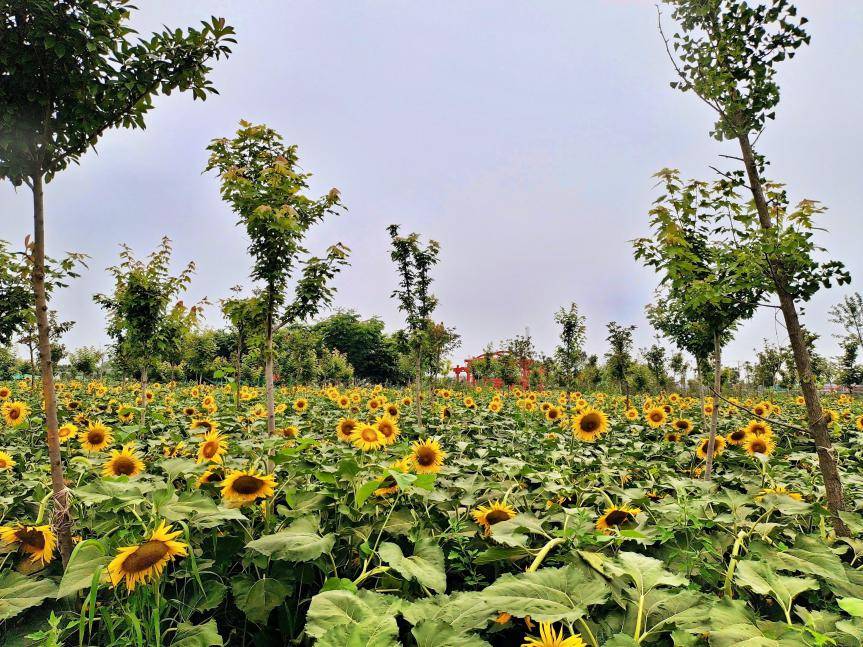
(522, 136)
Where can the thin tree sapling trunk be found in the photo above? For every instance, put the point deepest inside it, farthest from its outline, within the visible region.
(144, 376)
(714, 414)
(268, 366)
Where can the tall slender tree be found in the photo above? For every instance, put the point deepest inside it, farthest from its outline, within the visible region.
(570, 353)
(260, 177)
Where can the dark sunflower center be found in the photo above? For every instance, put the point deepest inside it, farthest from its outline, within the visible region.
(246, 484)
(589, 423)
(145, 556)
(656, 416)
(95, 437)
(31, 537)
(386, 429)
(425, 456)
(214, 478)
(759, 446)
(347, 428)
(496, 516)
(680, 424)
(369, 435)
(14, 413)
(123, 466)
(617, 517)
(210, 448)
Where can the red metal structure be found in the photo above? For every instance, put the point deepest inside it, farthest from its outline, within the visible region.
(466, 370)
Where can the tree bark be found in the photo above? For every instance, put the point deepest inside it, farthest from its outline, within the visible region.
(268, 366)
(802, 360)
(61, 517)
(237, 369)
(144, 383)
(419, 388)
(714, 414)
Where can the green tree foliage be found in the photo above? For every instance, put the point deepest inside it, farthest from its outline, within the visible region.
(849, 315)
(369, 350)
(86, 361)
(850, 372)
(260, 177)
(619, 355)
(570, 353)
(655, 360)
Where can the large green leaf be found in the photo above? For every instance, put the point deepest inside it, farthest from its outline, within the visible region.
(547, 595)
(258, 598)
(433, 633)
(86, 560)
(203, 635)
(339, 607)
(645, 572)
(18, 593)
(376, 631)
(299, 542)
(461, 611)
(426, 565)
(761, 578)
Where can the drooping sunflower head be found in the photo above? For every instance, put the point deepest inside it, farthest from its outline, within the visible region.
(96, 437)
(204, 424)
(124, 462)
(241, 487)
(763, 445)
(590, 425)
(388, 484)
(144, 562)
(779, 490)
(345, 429)
(488, 515)
(6, 462)
(427, 456)
(388, 428)
(15, 413)
(36, 541)
(656, 417)
(211, 475)
(615, 517)
(718, 446)
(213, 446)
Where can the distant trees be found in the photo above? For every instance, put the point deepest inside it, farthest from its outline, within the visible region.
(373, 354)
(569, 354)
(86, 361)
(619, 355)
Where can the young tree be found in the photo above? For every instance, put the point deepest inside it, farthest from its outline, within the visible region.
(619, 355)
(86, 360)
(145, 319)
(678, 367)
(570, 353)
(850, 372)
(727, 52)
(654, 359)
(71, 71)
(248, 319)
(849, 315)
(413, 263)
(260, 177)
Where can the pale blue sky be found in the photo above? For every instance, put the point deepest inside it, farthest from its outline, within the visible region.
(521, 135)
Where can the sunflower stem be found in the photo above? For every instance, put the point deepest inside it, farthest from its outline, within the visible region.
(586, 629)
(543, 553)
(732, 564)
(637, 634)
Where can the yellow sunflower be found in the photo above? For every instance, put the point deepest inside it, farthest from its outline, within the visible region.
(616, 516)
(738, 436)
(549, 637)
(204, 423)
(241, 487)
(5, 392)
(779, 490)
(367, 438)
(144, 562)
(36, 541)
(859, 423)
(15, 413)
(718, 446)
(301, 405)
(387, 428)
(590, 425)
(488, 515)
(6, 462)
(288, 432)
(211, 475)
(67, 432)
(213, 446)
(656, 417)
(682, 425)
(388, 484)
(124, 462)
(631, 414)
(553, 414)
(427, 456)
(96, 437)
(345, 429)
(759, 445)
(759, 428)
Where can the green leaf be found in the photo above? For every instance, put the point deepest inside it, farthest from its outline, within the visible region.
(299, 542)
(258, 598)
(645, 572)
(87, 558)
(370, 632)
(426, 565)
(852, 606)
(761, 578)
(203, 635)
(547, 595)
(336, 608)
(462, 611)
(18, 593)
(365, 491)
(434, 633)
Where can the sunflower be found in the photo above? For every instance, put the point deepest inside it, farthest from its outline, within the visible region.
(367, 438)
(204, 423)
(387, 428)
(125, 414)
(212, 446)
(67, 432)
(143, 562)
(762, 409)
(859, 423)
(682, 425)
(301, 405)
(759, 428)
(590, 425)
(615, 517)
(427, 456)
(345, 429)
(673, 436)
(763, 445)
(830, 417)
(392, 410)
(374, 404)
(631, 414)
(553, 414)
(124, 462)
(778, 490)
(96, 438)
(738, 436)
(388, 484)
(15, 413)
(656, 417)
(5, 392)
(6, 462)
(488, 515)
(36, 541)
(718, 446)
(212, 475)
(549, 637)
(288, 432)
(242, 487)
(495, 406)
(189, 411)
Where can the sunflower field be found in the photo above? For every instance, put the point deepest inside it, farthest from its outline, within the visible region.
(550, 518)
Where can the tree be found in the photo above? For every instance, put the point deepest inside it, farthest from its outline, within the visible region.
(768, 365)
(372, 353)
(727, 52)
(850, 372)
(145, 319)
(248, 318)
(678, 367)
(413, 263)
(654, 359)
(849, 315)
(86, 360)
(570, 353)
(260, 177)
(71, 71)
(619, 355)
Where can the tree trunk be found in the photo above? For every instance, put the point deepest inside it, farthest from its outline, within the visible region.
(802, 360)
(62, 520)
(419, 388)
(237, 369)
(144, 383)
(714, 415)
(268, 367)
